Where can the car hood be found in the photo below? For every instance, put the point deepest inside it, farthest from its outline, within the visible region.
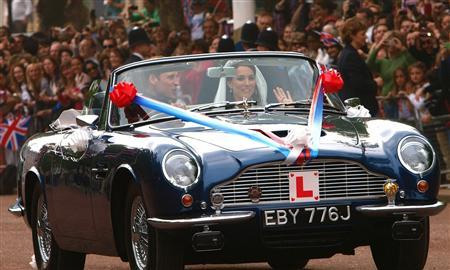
(335, 130)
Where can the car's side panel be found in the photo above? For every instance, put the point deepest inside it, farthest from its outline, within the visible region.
(69, 193)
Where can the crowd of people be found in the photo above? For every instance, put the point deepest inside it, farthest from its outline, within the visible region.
(393, 54)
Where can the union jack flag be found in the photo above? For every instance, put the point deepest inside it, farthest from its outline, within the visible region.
(328, 39)
(13, 132)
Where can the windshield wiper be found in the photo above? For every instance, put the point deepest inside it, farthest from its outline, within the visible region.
(226, 105)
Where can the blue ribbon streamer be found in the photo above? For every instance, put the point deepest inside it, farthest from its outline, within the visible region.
(209, 122)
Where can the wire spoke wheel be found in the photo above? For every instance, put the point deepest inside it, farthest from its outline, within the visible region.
(44, 232)
(139, 233)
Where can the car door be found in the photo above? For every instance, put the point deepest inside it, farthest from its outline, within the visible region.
(70, 194)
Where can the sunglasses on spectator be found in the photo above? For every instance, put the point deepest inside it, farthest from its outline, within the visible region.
(109, 46)
(89, 69)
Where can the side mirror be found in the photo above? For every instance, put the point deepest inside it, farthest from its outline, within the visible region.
(352, 102)
(87, 120)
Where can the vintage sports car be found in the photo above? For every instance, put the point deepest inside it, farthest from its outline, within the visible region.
(226, 158)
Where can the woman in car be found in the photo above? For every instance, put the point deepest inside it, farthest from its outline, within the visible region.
(248, 82)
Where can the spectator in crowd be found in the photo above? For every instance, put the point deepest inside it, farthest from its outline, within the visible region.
(298, 43)
(70, 96)
(55, 49)
(108, 44)
(210, 28)
(92, 69)
(358, 80)
(139, 43)
(249, 35)
(81, 79)
(116, 58)
(226, 44)
(403, 88)
(398, 56)
(21, 12)
(65, 55)
(267, 40)
(378, 32)
(88, 49)
(113, 8)
(197, 19)
(19, 82)
(264, 20)
(149, 14)
(51, 73)
(328, 55)
(321, 14)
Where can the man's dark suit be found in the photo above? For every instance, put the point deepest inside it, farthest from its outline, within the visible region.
(133, 58)
(358, 80)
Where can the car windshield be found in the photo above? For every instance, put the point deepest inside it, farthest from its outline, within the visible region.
(217, 84)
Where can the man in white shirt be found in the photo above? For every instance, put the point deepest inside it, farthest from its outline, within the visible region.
(20, 14)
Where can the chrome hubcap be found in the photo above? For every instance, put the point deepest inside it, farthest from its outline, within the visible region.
(139, 233)
(43, 230)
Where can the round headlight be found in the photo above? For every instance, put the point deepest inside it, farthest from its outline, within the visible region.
(180, 168)
(416, 154)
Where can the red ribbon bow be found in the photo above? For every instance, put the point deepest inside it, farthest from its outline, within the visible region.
(123, 94)
(332, 81)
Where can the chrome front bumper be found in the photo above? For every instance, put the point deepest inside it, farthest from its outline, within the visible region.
(222, 218)
(387, 210)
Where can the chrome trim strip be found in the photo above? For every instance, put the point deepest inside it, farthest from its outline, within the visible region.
(385, 210)
(222, 218)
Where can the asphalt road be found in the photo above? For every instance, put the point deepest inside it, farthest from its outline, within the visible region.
(16, 249)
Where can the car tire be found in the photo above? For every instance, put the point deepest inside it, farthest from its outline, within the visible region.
(148, 248)
(390, 254)
(48, 255)
(286, 265)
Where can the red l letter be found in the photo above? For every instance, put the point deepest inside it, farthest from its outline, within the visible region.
(301, 193)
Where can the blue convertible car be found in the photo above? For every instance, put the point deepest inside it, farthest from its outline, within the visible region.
(216, 160)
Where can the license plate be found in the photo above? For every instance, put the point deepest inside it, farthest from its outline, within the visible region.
(307, 216)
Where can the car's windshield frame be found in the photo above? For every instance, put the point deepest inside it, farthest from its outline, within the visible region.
(190, 58)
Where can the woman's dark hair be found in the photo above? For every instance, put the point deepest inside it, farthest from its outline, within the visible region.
(255, 95)
(57, 68)
(119, 52)
(96, 66)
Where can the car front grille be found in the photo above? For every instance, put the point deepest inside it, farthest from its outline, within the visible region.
(337, 180)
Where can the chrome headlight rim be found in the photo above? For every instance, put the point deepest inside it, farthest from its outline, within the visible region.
(189, 155)
(424, 142)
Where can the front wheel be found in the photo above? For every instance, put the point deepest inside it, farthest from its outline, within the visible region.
(47, 253)
(148, 248)
(390, 254)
